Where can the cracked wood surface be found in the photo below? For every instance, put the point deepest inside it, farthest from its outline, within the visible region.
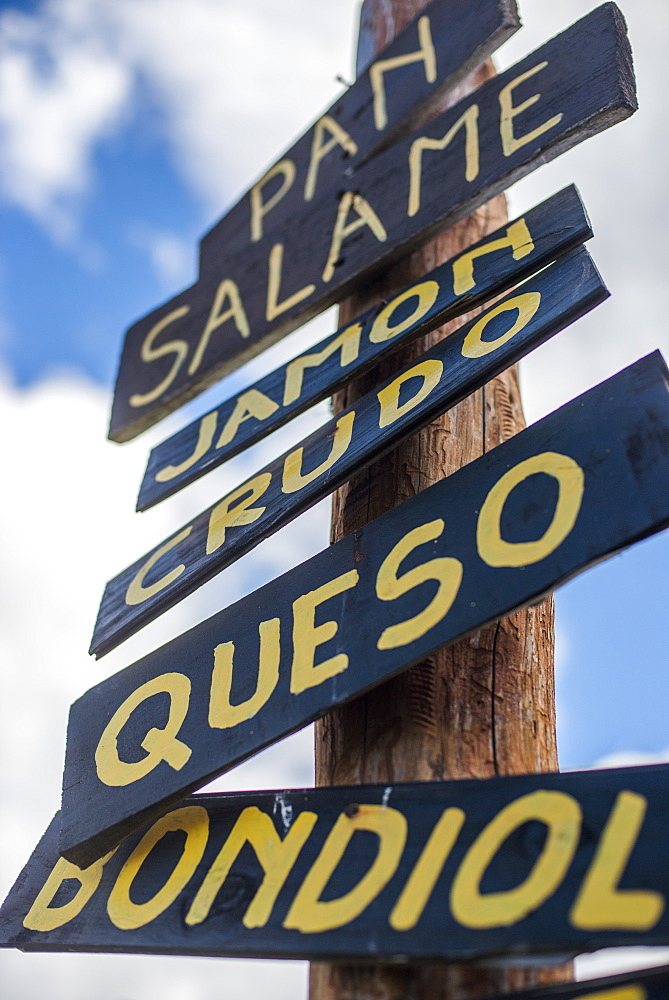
(483, 706)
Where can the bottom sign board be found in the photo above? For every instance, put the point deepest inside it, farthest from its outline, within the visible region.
(489, 869)
(649, 984)
(577, 486)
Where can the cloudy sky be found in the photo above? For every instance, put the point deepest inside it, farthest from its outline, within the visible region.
(127, 127)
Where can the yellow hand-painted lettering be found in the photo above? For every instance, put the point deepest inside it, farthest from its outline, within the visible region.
(122, 911)
(389, 586)
(312, 915)
(493, 549)
(160, 744)
(425, 54)
(224, 715)
(561, 814)
(510, 142)
(307, 636)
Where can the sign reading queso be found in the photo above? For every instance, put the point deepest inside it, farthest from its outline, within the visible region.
(531, 865)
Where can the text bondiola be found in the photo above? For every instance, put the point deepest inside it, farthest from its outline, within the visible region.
(597, 901)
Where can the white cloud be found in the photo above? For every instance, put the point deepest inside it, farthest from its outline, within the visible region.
(612, 961)
(232, 82)
(60, 91)
(66, 525)
(236, 81)
(632, 758)
(172, 258)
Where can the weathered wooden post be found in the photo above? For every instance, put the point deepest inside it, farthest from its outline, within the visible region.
(483, 706)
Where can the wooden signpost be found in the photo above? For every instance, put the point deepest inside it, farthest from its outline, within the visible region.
(301, 477)
(572, 489)
(490, 267)
(252, 293)
(494, 871)
(526, 865)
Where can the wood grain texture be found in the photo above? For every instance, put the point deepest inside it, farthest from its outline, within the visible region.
(365, 843)
(378, 601)
(514, 252)
(303, 475)
(388, 205)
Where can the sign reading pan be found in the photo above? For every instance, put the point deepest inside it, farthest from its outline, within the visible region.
(572, 489)
(490, 267)
(504, 867)
(411, 76)
(252, 293)
(455, 367)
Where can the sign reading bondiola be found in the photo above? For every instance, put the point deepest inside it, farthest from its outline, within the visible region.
(250, 293)
(508, 866)
(563, 494)
(291, 483)
(490, 267)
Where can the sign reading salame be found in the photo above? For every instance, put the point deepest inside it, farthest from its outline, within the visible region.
(532, 865)
(249, 294)
(438, 379)
(488, 268)
(506, 529)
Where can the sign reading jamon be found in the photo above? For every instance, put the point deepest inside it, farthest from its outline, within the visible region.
(532, 865)
(570, 490)
(254, 289)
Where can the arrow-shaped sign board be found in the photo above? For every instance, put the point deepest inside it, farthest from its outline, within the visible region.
(506, 529)
(410, 399)
(508, 867)
(249, 294)
(489, 268)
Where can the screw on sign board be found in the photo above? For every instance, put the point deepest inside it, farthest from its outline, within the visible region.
(577, 486)
(490, 267)
(290, 484)
(576, 85)
(515, 866)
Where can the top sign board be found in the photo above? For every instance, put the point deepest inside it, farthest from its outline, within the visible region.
(252, 293)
